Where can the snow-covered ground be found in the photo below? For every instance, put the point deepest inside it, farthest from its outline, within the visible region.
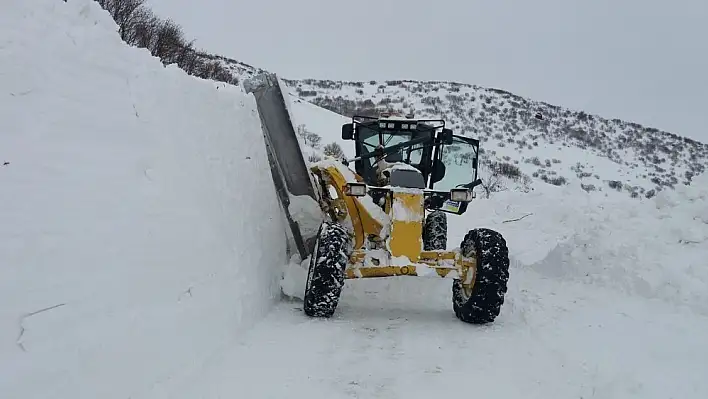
(141, 248)
(400, 339)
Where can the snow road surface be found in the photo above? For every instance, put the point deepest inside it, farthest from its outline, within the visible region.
(400, 339)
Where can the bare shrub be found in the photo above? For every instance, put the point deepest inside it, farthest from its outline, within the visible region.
(333, 150)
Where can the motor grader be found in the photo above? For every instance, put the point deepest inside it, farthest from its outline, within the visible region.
(388, 216)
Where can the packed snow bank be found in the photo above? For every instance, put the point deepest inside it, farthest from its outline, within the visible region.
(139, 227)
(653, 248)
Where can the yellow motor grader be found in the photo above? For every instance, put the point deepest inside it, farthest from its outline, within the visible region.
(387, 216)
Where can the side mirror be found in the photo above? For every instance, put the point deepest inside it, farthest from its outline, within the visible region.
(446, 136)
(348, 131)
(438, 171)
(474, 163)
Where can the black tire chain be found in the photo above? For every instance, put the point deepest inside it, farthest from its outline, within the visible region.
(326, 272)
(487, 298)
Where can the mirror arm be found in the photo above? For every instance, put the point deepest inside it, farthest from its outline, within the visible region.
(472, 184)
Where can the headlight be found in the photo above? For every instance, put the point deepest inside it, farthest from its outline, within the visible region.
(355, 189)
(460, 195)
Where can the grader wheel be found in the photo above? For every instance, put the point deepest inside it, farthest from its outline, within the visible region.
(325, 277)
(435, 231)
(482, 302)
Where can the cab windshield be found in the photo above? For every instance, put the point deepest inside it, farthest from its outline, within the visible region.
(389, 138)
(370, 139)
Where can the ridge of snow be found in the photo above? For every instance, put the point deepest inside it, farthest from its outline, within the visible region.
(130, 249)
(652, 249)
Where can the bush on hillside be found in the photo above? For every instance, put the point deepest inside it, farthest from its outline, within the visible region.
(506, 169)
(308, 137)
(556, 181)
(139, 27)
(333, 150)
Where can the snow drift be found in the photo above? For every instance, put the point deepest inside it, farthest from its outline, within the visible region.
(651, 248)
(139, 227)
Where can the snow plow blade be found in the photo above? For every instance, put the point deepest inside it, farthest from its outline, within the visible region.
(288, 167)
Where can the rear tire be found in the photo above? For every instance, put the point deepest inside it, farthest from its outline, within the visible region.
(483, 304)
(435, 231)
(325, 276)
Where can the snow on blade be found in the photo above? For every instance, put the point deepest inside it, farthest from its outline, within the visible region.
(307, 212)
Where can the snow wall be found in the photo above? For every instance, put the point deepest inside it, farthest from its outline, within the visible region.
(139, 226)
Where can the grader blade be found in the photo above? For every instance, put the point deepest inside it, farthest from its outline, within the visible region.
(288, 166)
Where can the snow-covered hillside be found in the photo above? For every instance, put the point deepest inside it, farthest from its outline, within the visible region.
(139, 228)
(525, 143)
(564, 147)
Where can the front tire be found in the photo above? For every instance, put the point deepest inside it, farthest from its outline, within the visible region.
(325, 276)
(482, 304)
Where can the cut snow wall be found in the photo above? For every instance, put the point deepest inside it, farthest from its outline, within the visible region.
(138, 227)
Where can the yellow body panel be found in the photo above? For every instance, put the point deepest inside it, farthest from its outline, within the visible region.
(406, 212)
(395, 231)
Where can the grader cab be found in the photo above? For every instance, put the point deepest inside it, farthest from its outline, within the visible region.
(388, 216)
